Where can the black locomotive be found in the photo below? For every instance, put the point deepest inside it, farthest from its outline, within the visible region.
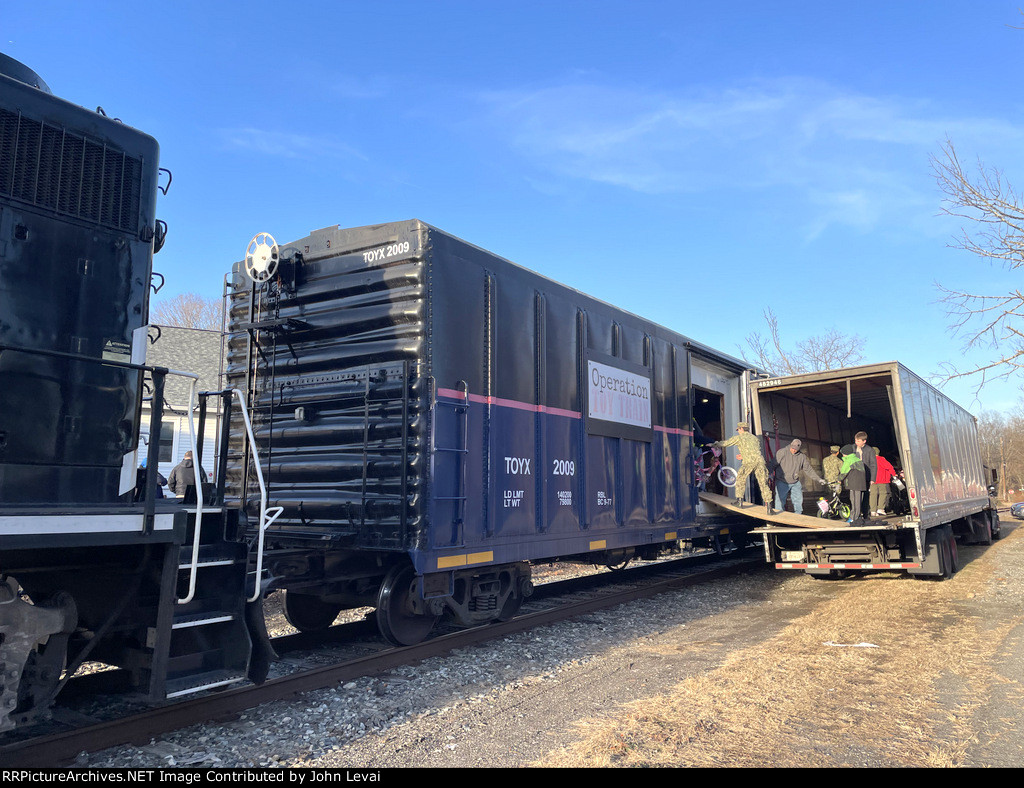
(91, 562)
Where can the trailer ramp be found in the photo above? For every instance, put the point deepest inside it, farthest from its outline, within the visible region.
(757, 511)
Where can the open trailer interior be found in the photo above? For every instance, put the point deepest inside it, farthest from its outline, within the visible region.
(925, 435)
(913, 425)
(826, 409)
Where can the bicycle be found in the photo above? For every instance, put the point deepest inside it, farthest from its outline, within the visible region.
(834, 508)
(704, 473)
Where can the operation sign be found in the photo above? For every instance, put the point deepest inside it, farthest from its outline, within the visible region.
(618, 398)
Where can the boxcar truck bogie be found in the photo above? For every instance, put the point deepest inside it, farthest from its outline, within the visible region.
(941, 495)
(433, 419)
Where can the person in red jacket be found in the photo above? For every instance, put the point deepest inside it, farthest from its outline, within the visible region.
(880, 485)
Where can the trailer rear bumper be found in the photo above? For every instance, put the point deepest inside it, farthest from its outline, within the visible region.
(900, 565)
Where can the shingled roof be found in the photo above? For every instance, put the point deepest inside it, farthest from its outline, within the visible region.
(188, 350)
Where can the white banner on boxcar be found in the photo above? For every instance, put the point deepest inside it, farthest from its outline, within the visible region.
(618, 396)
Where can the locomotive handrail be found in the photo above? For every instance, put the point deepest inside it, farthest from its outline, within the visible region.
(265, 520)
(197, 473)
(277, 510)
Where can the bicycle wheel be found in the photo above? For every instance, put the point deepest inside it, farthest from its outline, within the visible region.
(844, 511)
(727, 476)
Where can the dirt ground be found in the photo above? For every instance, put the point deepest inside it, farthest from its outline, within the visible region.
(878, 671)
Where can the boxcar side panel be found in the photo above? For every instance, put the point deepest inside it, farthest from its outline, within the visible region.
(515, 351)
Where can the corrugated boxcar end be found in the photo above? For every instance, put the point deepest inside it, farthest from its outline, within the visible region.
(329, 354)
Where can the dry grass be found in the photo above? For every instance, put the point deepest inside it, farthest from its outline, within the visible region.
(794, 701)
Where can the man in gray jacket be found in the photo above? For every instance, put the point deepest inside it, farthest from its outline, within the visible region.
(790, 465)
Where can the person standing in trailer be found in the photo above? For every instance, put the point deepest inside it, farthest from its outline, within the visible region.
(880, 485)
(831, 467)
(859, 473)
(791, 465)
(752, 462)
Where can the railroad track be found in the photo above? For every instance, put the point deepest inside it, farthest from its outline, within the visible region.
(552, 602)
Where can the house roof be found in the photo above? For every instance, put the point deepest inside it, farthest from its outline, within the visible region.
(186, 350)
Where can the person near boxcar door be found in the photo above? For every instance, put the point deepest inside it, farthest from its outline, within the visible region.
(751, 462)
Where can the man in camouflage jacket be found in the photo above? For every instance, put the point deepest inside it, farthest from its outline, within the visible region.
(831, 467)
(752, 463)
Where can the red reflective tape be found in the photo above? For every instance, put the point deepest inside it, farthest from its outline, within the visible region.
(849, 566)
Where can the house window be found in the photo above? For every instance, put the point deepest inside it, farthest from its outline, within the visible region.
(166, 442)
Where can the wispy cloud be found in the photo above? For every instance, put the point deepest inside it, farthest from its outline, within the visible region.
(852, 159)
(288, 144)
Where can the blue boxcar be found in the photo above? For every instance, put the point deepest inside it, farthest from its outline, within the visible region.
(431, 417)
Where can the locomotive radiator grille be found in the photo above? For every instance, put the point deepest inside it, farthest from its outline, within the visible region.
(49, 167)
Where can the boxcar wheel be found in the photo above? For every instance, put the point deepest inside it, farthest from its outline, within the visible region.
(510, 608)
(308, 613)
(395, 617)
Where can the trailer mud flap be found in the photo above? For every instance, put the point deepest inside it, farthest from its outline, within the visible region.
(932, 563)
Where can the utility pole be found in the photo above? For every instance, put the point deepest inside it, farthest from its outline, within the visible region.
(1002, 471)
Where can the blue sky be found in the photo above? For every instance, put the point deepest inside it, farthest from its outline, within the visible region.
(694, 163)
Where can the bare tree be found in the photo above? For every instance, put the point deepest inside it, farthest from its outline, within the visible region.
(1001, 438)
(830, 350)
(994, 214)
(188, 310)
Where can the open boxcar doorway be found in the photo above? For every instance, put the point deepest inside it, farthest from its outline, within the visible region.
(708, 421)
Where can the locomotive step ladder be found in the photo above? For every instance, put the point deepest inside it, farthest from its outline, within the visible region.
(206, 643)
(206, 623)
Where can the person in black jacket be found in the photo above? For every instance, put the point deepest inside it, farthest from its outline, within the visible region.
(183, 479)
(858, 480)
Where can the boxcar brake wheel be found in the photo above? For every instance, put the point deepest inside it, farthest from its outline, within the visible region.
(395, 617)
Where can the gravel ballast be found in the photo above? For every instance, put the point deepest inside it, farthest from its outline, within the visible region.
(511, 702)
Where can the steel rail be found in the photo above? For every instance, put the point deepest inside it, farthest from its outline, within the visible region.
(62, 748)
